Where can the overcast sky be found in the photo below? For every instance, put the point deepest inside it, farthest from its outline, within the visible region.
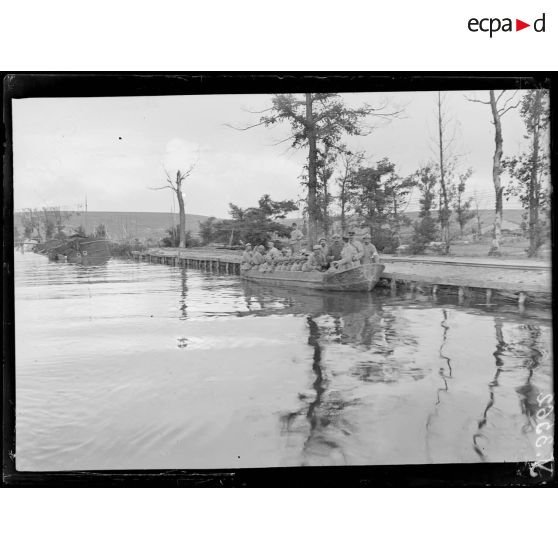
(112, 150)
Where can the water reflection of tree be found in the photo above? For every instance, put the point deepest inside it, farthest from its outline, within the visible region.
(182, 341)
(377, 336)
(320, 413)
(183, 294)
(528, 391)
(445, 373)
(501, 347)
(371, 333)
(531, 355)
(259, 294)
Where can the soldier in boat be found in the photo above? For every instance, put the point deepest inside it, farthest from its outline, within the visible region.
(316, 261)
(323, 245)
(369, 252)
(356, 243)
(296, 238)
(267, 265)
(247, 257)
(258, 256)
(333, 253)
(350, 256)
(297, 266)
(273, 252)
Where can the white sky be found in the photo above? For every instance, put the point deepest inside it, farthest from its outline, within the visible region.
(112, 150)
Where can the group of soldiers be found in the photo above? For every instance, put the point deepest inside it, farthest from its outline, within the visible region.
(343, 252)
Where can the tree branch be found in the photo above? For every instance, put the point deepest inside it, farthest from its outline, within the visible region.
(501, 113)
(477, 100)
(162, 188)
(261, 123)
(505, 107)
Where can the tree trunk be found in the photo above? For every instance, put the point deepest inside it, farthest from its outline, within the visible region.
(444, 214)
(534, 241)
(343, 199)
(326, 212)
(313, 220)
(343, 207)
(182, 213)
(496, 172)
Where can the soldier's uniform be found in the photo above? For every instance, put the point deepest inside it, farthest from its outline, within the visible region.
(369, 253)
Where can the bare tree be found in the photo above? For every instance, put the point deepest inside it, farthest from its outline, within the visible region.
(477, 214)
(176, 186)
(350, 163)
(497, 112)
(444, 142)
(462, 204)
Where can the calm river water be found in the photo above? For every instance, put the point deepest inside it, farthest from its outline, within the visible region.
(136, 365)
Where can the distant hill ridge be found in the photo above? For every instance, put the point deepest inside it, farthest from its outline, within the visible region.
(144, 225)
(132, 224)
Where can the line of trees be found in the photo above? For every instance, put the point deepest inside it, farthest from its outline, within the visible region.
(45, 223)
(373, 192)
(50, 223)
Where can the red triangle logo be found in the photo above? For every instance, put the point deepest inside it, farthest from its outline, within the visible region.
(519, 25)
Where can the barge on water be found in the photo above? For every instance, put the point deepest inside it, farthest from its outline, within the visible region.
(79, 249)
(359, 278)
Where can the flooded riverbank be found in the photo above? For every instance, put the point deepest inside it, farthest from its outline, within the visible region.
(132, 365)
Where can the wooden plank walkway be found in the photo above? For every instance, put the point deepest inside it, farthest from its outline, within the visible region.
(476, 280)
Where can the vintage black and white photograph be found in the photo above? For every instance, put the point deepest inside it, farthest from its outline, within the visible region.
(270, 280)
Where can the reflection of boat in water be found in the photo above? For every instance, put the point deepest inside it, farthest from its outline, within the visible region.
(360, 278)
(311, 302)
(80, 249)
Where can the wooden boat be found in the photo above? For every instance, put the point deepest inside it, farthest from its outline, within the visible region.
(359, 278)
(82, 250)
(48, 246)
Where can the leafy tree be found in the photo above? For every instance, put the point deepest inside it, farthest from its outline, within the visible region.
(317, 120)
(176, 186)
(425, 230)
(529, 172)
(50, 228)
(498, 111)
(31, 221)
(211, 230)
(374, 189)
(462, 205)
(324, 170)
(253, 224)
(100, 231)
(46, 220)
(258, 224)
(172, 240)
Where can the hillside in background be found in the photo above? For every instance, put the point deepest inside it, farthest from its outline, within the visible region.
(128, 225)
(154, 226)
(486, 215)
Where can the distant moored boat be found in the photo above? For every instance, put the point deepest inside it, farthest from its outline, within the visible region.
(82, 250)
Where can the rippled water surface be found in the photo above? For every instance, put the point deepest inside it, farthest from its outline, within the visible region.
(137, 365)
